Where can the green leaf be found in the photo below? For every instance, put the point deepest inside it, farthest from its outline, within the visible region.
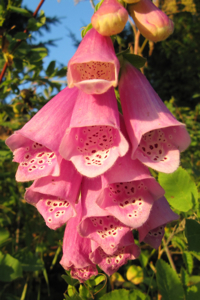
(193, 235)
(10, 268)
(193, 292)
(37, 54)
(180, 190)
(136, 60)
(116, 295)
(50, 68)
(4, 235)
(85, 30)
(138, 295)
(71, 281)
(184, 277)
(29, 261)
(33, 24)
(20, 10)
(20, 35)
(169, 284)
(188, 260)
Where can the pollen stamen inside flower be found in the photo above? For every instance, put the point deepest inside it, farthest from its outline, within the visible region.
(93, 70)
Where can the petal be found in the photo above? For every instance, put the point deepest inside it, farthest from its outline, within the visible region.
(150, 124)
(110, 18)
(84, 273)
(111, 263)
(94, 67)
(93, 141)
(153, 23)
(153, 230)
(55, 197)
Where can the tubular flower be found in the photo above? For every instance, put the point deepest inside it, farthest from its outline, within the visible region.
(153, 230)
(153, 23)
(55, 197)
(111, 263)
(156, 136)
(110, 18)
(93, 140)
(94, 67)
(76, 250)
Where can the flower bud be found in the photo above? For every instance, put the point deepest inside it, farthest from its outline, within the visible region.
(110, 18)
(153, 23)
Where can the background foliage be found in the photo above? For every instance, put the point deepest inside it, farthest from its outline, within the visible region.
(29, 251)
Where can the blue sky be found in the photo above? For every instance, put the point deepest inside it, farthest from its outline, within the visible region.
(71, 16)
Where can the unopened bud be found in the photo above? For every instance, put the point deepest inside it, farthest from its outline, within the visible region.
(110, 18)
(153, 23)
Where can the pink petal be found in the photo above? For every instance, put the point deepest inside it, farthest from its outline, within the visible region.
(111, 263)
(98, 224)
(76, 249)
(55, 197)
(94, 67)
(153, 230)
(93, 141)
(156, 136)
(153, 23)
(84, 273)
(110, 18)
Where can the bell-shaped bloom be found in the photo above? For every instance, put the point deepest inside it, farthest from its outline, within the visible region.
(153, 23)
(93, 140)
(111, 263)
(110, 18)
(94, 67)
(36, 144)
(156, 136)
(55, 197)
(76, 250)
(84, 127)
(153, 230)
(99, 225)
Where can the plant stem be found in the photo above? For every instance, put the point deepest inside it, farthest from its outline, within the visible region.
(169, 255)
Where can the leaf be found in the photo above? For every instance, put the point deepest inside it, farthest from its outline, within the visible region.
(33, 24)
(29, 261)
(85, 30)
(180, 189)
(4, 234)
(117, 279)
(71, 281)
(50, 68)
(20, 10)
(138, 295)
(169, 284)
(10, 268)
(136, 60)
(116, 295)
(193, 235)
(20, 36)
(135, 274)
(193, 292)
(188, 260)
(184, 276)
(37, 54)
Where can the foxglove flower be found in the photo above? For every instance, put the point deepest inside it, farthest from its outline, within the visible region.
(88, 135)
(111, 263)
(55, 197)
(76, 250)
(99, 225)
(153, 23)
(110, 18)
(152, 231)
(93, 140)
(36, 145)
(156, 136)
(94, 67)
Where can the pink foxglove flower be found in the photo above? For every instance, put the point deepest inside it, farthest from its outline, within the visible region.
(36, 145)
(55, 197)
(153, 230)
(84, 128)
(110, 18)
(99, 225)
(111, 263)
(94, 67)
(156, 136)
(153, 23)
(76, 250)
(93, 140)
